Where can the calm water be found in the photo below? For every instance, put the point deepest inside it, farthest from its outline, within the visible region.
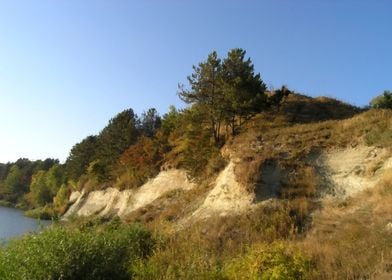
(13, 223)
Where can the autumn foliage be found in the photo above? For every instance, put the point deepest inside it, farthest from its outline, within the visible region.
(140, 162)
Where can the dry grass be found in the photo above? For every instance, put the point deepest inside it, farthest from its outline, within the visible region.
(203, 249)
(343, 242)
(272, 138)
(348, 240)
(352, 240)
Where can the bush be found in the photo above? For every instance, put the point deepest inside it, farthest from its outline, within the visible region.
(43, 213)
(181, 257)
(383, 101)
(379, 133)
(271, 262)
(87, 253)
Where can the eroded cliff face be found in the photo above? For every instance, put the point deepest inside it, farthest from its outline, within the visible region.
(346, 172)
(341, 173)
(227, 196)
(114, 202)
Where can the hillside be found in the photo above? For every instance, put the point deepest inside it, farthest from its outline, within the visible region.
(277, 156)
(314, 173)
(244, 183)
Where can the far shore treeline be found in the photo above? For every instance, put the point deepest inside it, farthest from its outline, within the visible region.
(223, 94)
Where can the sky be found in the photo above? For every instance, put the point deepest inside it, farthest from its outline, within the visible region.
(68, 66)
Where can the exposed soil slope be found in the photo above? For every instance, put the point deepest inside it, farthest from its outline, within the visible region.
(112, 201)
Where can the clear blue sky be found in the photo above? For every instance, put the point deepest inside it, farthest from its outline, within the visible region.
(68, 66)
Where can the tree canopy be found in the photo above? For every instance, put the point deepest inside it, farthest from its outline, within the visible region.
(80, 157)
(227, 92)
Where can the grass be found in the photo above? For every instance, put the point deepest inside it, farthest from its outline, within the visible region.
(352, 240)
(223, 248)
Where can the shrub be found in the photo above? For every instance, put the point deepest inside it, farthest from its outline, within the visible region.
(383, 101)
(380, 133)
(184, 255)
(271, 262)
(88, 253)
(46, 212)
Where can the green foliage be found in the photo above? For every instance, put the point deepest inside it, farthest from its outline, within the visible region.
(15, 178)
(192, 145)
(4, 169)
(227, 92)
(98, 155)
(43, 165)
(206, 91)
(383, 101)
(114, 139)
(39, 190)
(80, 157)
(13, 186)
(60, 201)
(171, 120)
(46, 212)
(150, 122)
(268, 262)
(243, 89)
(87, 253)
(45, 184)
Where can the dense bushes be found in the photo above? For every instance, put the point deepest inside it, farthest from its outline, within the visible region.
(273, 262)
(85, 253)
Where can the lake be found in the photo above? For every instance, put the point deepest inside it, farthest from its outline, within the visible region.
(13, 223)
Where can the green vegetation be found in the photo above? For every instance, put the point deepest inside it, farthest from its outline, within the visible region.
(226, 93)
(383, 101)
(16, 179)
(271, 262)
(88, 252)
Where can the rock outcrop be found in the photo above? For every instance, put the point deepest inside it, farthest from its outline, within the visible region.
(345, 172)
(114, 202)
(227, 196)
